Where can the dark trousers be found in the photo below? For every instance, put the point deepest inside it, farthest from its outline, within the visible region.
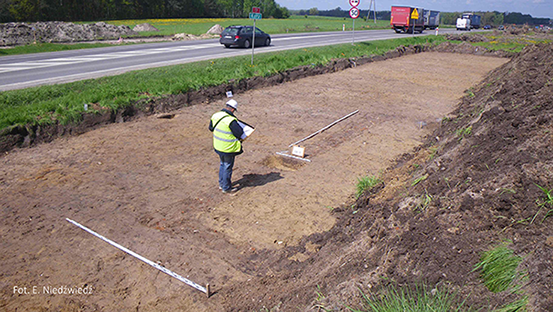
(225, 170)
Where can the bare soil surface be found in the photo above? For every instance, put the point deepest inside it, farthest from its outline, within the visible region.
(151, 186)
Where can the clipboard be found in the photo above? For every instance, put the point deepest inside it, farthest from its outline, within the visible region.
(248, 130)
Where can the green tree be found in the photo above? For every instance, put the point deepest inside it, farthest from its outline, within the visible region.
(313, 11)
(25, 10)
(497, 19)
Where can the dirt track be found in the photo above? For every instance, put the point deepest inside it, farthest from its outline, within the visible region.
(151, 185)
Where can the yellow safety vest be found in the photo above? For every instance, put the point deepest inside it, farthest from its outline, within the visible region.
(223, 139)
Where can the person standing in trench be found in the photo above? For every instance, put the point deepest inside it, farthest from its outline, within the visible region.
(226, 143)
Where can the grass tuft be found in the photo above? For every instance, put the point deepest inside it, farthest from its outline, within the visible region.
(366, 183)
(548, 200)
(461, 133)
(498, 268)
(417, 299)
(517, 306)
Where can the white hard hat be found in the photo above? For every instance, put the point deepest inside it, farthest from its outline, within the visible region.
(233, 104)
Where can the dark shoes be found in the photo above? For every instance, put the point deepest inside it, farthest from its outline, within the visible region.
(232, 190)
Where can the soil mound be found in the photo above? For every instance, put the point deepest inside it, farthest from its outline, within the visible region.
(215, 30)
(59, 32)
(185, 36)
(467, 48)
(144, 27)
(474, 184)
(467, 37)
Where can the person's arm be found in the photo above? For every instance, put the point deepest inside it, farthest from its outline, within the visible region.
(236, 130)
(211, 126)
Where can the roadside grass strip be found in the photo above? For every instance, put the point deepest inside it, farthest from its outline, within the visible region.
(65, 103)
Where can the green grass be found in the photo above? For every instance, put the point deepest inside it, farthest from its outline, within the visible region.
(517, 306)
(461, 133)
(548, 200)
(419, 179)
(366, 183)
(270, 25)
(423, 201)
(498, 269)
(64, 102)
(418, 299)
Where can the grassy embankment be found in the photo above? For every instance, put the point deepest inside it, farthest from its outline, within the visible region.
(64, 103)
(169, 27)
(512, 44)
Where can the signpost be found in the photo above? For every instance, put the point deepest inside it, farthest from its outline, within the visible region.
(354, 13)
(254, 15)
(414, 17)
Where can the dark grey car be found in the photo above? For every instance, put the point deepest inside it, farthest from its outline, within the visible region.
(242, 36)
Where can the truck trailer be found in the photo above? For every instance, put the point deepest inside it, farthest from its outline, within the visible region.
(431, 19)
(474, 20)
(401, 20)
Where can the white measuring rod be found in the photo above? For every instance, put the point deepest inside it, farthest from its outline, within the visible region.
(134, 254)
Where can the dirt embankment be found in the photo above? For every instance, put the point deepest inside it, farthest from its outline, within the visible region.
(479, 175)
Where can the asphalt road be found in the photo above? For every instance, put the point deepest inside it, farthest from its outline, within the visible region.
(23, 71)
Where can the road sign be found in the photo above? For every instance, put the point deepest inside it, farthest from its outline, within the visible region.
(354, 13)
(256, 10)
(415, 14)
(354, 3)
(255, 16)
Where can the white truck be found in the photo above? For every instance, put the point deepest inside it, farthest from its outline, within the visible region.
(468, 21)
(463, 23)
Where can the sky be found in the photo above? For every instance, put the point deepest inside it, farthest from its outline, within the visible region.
(536, 8)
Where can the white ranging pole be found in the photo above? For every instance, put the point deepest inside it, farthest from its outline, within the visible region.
(323, 129)
(291, 156)
(155, 265)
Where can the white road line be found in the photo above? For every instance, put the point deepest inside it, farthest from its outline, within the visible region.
(96, 57)
(301, 37)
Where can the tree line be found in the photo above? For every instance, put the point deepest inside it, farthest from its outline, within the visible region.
(97, 10)
(446, 18)
(497, 18)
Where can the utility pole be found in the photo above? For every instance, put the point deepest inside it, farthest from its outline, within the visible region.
(372, 4)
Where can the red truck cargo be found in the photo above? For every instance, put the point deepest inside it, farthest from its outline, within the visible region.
(401, 19)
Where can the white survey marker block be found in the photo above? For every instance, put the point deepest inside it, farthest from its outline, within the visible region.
(298, 151)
